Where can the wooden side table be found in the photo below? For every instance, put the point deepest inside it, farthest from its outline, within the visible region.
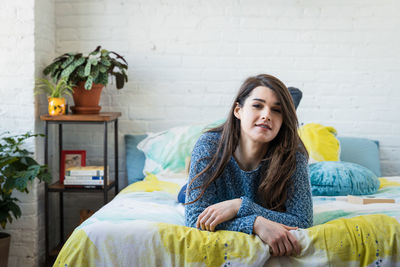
(103, 118)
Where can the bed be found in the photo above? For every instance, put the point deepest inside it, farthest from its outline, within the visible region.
(144, 226)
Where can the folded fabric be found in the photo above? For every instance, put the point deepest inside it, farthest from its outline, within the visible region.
(331, 178)
(150, 184)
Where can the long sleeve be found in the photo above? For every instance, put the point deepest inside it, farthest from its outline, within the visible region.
(299, 211)
(200, 159)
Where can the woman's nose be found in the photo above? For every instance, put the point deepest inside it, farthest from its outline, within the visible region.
(266, 115)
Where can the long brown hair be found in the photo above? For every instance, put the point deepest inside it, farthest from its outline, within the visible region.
(280, 160)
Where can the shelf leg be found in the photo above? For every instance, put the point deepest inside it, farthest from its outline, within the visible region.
(61, 195)
(46, 194)
(105, 188)
(116, 155)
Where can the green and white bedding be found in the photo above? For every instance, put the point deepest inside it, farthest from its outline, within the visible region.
(143, 227)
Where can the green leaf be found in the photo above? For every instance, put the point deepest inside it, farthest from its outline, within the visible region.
(102, 68)
(67, 72)
(95, 72)
(67, 62)
(105, 62)
(81, 71)
(102, 78)
(120, 80)
(51, 67)
(88, 83)
(87, 68)
(96, 51)
(15, 209)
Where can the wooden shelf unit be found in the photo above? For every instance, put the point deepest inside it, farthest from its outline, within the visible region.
(103, 118)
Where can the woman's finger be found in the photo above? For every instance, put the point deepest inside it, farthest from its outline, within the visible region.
(282, 249)
(205, 218)
(215, 223)
(209, 221)
(290, 227)
(295, 243)
(275, 250)
(288, 246)
(200, 218)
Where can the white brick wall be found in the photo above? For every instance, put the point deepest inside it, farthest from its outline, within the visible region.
(17, 114)
(24, 42)
(44, 54)
(188, 58)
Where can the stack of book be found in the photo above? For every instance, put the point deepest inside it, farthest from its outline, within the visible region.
(92, 176)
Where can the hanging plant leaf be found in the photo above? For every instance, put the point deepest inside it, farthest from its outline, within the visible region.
(87, 68)
(105, 62)
(67, 62)
(88, 83)
(81, 71)
(102, 78)
(67, 72)
(120, 80)
(95, 72)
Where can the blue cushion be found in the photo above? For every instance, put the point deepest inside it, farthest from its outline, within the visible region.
(362, 151)
(338, 178)
(134, 158)
(182, 194)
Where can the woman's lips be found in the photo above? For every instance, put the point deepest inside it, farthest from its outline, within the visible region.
(264, 126)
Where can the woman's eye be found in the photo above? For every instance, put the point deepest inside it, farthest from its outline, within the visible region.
(277, 110)
(257, 105)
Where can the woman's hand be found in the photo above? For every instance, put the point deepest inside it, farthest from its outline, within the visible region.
(277, 236)
(218, 213)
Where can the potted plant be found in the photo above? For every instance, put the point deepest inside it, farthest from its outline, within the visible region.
(55, 94)
(89, 74)
(17, 170)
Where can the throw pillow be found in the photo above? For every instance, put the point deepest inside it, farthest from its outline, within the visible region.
(331, 178)
(167, 151)
(134, 157)
(296, 95)
(320, 142)
(362, 151)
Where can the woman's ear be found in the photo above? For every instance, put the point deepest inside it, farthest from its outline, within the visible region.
(236, 111)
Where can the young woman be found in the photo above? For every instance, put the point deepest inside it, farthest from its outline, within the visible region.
(251, 174)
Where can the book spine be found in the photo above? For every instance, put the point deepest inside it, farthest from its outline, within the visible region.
(83, 182)
(85, 178)
(84, 173)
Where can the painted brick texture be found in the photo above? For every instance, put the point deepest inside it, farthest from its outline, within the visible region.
(188, 58)
(21, 48)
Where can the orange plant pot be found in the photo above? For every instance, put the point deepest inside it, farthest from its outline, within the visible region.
(56, 106)
(87, 101)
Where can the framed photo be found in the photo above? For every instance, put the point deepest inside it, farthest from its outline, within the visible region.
(70, 158)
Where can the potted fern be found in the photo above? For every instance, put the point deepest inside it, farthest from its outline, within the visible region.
(89, 74)
(55, 94)
(17, 170)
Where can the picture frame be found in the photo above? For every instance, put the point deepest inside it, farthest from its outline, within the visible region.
(71, 158)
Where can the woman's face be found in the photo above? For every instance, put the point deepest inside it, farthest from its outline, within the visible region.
(260, 116)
